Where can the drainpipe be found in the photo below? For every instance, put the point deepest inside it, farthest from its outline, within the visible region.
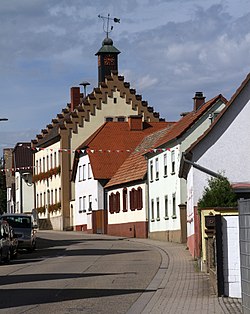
(203, 169)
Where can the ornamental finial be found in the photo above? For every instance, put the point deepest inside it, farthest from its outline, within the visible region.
(107, 28)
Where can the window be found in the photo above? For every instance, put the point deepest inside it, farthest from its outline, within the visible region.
(52, 197)
(60, 194)
(152, 210)
(44, 199)
(48, 197)
(133, 199)
(51, 161)
(115, 100)
(47, 162)
(166, 207)
(158, 208)
(139, 198)
(89, 171)
(174, 205)
(40, 165)
(125, 199)
(41, 200)
(108, 119)
(165, 165)
(17, 183)
(43, 164)
(37, 200)
(173, 161)
(80, 204)
(111, 207)
(55, 159)
(84, 172)
(156, 168)
(55, 196)
(151, 170)
(90, 202)
(84, 204)
(80, 173)
(121, 119)
(36, 170)
(117, 209)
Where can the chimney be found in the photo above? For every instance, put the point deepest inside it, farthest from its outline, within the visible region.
(74, 98)
(199, 100)
(135, 123)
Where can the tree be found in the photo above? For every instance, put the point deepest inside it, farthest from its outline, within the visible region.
(218, 193)
(3, 192)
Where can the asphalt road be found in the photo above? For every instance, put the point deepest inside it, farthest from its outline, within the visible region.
(75, 273)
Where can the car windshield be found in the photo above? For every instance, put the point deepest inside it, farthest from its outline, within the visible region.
(18, 222)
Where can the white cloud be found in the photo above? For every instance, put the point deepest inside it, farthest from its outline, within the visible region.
(146, 81)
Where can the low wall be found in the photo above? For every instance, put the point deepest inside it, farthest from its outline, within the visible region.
(129, 230)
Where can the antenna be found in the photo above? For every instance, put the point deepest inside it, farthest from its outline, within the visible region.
(106, 20)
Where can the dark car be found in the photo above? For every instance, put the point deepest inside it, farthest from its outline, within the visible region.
(24, 230)
(5, 242)
(14, 243)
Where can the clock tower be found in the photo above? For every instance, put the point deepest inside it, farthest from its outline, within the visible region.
(107, 59)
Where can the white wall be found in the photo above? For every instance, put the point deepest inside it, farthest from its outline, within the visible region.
(164, 186)
(224, 149)
(231, 256)
(172, 184)
(85, 188)
(129, 216)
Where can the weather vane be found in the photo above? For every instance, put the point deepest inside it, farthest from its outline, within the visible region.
(106, 21)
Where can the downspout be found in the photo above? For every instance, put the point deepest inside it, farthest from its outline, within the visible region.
(203, 169)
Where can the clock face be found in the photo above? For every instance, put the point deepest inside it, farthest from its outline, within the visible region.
(109, 60)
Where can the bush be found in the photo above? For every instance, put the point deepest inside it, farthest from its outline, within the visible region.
(219, 193)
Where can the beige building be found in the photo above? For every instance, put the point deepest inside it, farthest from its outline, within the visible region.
(55, 146)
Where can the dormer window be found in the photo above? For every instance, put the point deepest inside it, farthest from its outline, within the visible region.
(109, 119)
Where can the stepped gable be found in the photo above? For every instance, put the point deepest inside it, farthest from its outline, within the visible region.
(134, 167)
(94, 101)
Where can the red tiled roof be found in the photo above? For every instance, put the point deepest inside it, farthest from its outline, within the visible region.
(187, 121)
(135, 166)
(117, 138)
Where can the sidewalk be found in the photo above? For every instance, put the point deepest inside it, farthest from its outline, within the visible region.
(179, 287)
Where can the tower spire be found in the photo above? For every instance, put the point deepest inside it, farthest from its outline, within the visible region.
(107, 54)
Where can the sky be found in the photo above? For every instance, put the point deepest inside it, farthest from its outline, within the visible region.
(169, 50)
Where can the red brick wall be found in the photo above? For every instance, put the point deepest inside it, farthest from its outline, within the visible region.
(129, 230)
(81, 228)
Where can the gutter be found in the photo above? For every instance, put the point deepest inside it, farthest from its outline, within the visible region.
(203, 169)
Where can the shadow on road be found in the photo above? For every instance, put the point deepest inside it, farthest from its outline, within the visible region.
(42, 296)
(13, 279)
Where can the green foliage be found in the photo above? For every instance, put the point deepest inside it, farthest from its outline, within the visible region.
(3, 193)
(218, 193)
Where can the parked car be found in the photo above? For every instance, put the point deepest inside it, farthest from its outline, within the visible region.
(5, 242)
(14, 243)
(24, 230)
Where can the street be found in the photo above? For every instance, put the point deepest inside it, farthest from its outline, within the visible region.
(72, 272)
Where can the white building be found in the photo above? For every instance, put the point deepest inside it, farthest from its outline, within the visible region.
(96, 162)
(167, 192)
(127, 191)
(223, 148)
(20, 188)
